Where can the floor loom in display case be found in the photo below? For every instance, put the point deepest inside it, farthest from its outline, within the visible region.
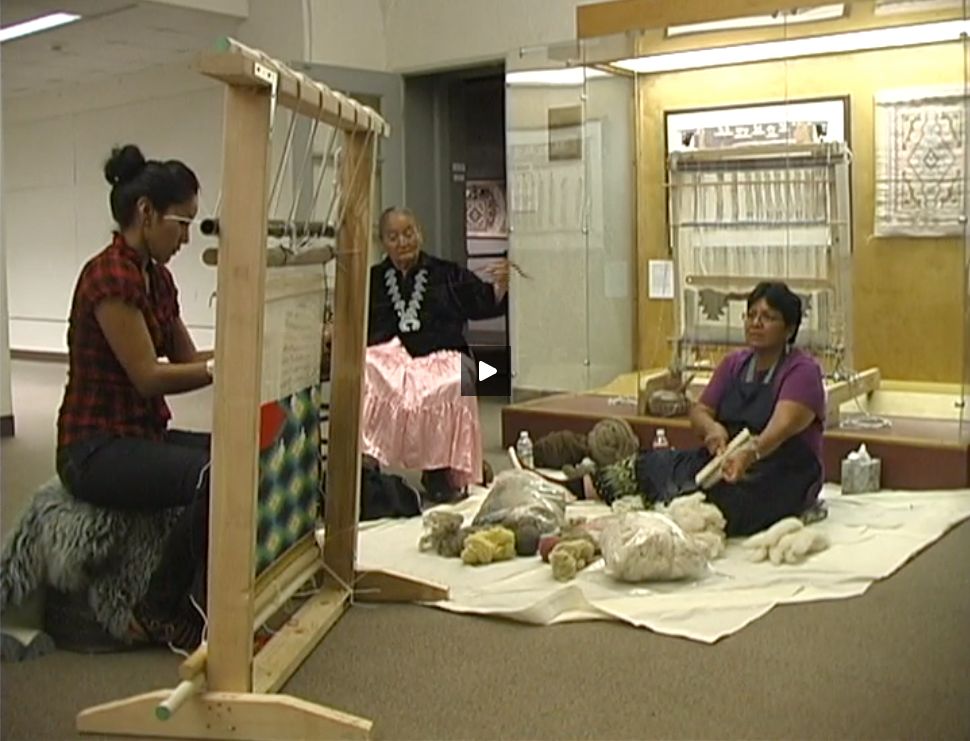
(738, 216)
(266, 459)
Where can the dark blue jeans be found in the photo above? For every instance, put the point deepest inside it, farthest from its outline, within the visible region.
(138, 474)
(772, 489)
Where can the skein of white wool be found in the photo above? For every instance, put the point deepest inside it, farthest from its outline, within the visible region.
(787, 541)
(649, 546)
(628, 504)
(700, 520)
(796, 547)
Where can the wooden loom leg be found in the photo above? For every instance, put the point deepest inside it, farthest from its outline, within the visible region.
(239, 335)
(350, 303)
(286, 650)
(224, 715)
(389, 586)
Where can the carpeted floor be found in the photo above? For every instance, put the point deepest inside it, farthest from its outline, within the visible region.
(891, 664)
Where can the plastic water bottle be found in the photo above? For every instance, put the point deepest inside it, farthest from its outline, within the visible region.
(523, 449)
(660, 441)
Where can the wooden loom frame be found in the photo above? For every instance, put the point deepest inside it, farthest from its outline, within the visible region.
(226, 690)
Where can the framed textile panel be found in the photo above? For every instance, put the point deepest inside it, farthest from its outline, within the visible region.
(920, 162)
(486, 212)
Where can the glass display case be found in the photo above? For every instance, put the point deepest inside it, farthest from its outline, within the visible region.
(656, 176)
(572, 202)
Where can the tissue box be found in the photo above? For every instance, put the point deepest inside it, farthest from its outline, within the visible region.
(861, 476)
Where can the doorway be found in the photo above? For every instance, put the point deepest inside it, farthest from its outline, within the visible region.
(455, 179)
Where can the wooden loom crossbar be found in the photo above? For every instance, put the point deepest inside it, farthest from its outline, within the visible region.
(837, 393)
(226, 689)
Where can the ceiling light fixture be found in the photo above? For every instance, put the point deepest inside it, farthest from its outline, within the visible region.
(564, 76)
(879, 38)
(781, 18)
(36, 25)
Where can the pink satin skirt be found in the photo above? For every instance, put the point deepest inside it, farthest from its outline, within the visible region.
(415, 416)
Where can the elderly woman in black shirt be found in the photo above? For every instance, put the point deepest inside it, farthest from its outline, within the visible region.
(415, 415)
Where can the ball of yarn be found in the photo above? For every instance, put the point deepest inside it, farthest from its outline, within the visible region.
(569, 557)
(440, 530)
(558, 449)
(527, 539)
(452, 545)
(612, 440)
(668, 403)
(486, 546)
(546, 544)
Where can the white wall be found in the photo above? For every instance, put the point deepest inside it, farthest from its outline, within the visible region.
(56, 199)
(6, 398)
(276, 27)
(420, 35)
(239, 8)
(432, 34)
(398, 35)
(347, 34)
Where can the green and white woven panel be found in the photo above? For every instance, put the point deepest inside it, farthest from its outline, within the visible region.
(289, 473)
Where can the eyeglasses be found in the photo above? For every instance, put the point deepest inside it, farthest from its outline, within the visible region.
(188, 221)
(755, 317)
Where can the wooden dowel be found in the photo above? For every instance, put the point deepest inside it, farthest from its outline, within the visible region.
(285, 569)
(711, 473)
(194, 664)
(281, 597)
(186, 688)
(279, 258)
(278, 228)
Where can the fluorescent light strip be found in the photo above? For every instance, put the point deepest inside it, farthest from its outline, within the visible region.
(785, 18)
(44, 23)
(896, 7)
(565, 76)
(880, 38)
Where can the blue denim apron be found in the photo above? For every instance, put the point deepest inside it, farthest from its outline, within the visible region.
(774, 487)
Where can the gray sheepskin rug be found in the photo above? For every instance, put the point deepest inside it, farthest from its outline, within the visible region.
(70, 545)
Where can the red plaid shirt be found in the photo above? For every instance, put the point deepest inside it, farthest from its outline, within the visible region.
(100, 399)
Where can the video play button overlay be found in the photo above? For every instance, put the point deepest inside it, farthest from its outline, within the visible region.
(487, 374)
(485, 371)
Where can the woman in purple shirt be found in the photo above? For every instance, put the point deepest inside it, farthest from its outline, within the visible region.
(771, 388)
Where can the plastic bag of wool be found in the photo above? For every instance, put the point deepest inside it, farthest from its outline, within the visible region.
(519, 495)
(650, 546)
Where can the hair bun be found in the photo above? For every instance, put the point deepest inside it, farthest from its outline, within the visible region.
(124, 164)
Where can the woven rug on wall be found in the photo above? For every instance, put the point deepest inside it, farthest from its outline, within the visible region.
(920, 168)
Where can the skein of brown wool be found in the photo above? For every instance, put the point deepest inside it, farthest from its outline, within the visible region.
(558, 449)
(612, 440)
